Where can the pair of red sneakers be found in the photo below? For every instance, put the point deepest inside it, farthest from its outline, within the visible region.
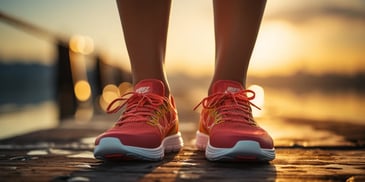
(149, 126)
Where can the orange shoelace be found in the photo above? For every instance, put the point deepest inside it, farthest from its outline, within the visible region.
(137, 107)
(231, 106)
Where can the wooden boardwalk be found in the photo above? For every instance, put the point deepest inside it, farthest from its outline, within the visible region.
(65, 154)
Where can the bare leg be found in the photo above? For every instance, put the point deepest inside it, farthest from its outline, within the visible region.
(236, 26)
(145, 25)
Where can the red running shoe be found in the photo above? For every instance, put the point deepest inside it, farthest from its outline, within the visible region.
(227, 131)
(147, 128)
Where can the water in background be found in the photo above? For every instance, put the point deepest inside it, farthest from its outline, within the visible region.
(341, 106)
(322, 104)
(27, 98)
(20, 114)
(20, 119)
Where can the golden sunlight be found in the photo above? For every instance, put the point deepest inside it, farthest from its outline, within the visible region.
(275, 46)
(259, 99)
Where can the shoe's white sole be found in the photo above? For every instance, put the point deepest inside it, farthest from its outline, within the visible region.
(245, 150)
(110, 146)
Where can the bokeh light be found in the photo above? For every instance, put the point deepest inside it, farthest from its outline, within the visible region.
(112, 92)
(125, 87)
(81, 44)
(82, 90)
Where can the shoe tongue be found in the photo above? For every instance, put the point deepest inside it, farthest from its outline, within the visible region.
(150, 86)
(226, 86)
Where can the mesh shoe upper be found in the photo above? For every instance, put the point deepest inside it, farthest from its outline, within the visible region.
(227, 118)
(148, 116)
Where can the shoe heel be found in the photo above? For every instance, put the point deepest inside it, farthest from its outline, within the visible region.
(173, 143)
(201, 141)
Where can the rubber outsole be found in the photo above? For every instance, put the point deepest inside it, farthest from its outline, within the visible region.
(245, 150)
(110, 148)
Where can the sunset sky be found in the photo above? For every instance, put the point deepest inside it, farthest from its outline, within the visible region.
(317, 36)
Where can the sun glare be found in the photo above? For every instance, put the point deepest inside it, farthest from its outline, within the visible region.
(275, 46)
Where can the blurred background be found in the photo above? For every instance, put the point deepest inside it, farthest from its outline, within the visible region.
(67, 59)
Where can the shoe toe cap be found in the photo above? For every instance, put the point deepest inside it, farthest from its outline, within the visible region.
(227, 137)
(136, 138)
